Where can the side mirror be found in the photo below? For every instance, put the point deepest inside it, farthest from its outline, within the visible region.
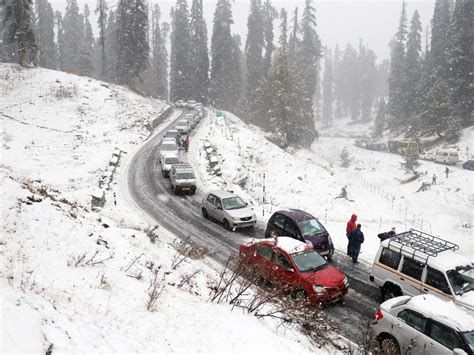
(290, 269)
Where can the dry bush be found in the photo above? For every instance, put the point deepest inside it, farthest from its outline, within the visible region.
(151, 232)
(187, 249)
(64, 92)
(155, 289)
(84, 260)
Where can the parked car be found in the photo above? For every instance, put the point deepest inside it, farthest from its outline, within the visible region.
(468, 165)
(183, 126)
(182, 179)
(167, 161)
(294, 265)
(229, 209)
(302, 226)
(413, 263)
(191, 104)
(179, 103)
(423, 325)
(446, 156)
(167, 149)
(171, 133)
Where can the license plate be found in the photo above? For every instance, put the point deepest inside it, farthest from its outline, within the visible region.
(186, 189)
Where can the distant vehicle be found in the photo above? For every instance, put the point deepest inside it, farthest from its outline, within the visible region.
(171, 133)
(182, 179)
(468, 165)
(302, 226)
(293, 265)
(446, 156)
(402, 146)
(229, 209)
(179, 103)
(423, 325)
(413, 263)
(167, 161)
(191, 104)
(426, 156)
(167, 149)
(183, 126)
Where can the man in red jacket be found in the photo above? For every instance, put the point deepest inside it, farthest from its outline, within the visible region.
(351, 225)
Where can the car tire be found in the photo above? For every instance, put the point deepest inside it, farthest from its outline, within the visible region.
(389, 345)
(227, 224)
(299, 295)
(204, 213)
(390, 291)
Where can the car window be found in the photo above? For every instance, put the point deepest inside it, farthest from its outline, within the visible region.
(462, 279)
(218, 202)
(412, 268)
(309, 261)
(436, 279)
(390, 258)
(445, 335)
(282, 260)
(310, 227)
(265, 251)
(413, 319)
(211, 199)
(233, 203)
(279, 221)
(290, 227)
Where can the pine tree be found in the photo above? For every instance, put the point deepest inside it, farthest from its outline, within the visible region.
(338, 82)
(73, 36)
(235, 86)
(327, 89)
(111, 48)
(101, 12)
(19, 29)
(269, 15)
(86, 66)
(180, 71)
(58, 19)
(47, 51)
(379, 124)
(200, 57)
(160, 55)
(222, 44)
(367, 74)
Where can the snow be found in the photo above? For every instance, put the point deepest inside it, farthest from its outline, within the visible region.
(78, 280)
(290, 245)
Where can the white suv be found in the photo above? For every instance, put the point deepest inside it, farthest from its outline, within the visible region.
(425, 325)
(413, 263)
(229, 209)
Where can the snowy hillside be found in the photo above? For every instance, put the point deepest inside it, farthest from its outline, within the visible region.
(312, 180)
(74, 280)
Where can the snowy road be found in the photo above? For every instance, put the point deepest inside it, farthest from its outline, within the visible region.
(181, 215)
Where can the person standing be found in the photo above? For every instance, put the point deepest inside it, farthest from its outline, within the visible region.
(351, 225)
(356, 238)
(447, 172)
(433, 180)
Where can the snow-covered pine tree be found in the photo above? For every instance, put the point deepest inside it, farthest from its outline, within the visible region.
(367, 78)
(338, 82)
(111, 48)
(269, 15)
(180, 65)
(18, 22)
(86, 66)
(73, 36)
(236, 89)
(58, 22)
(222, 44)
(47, 50)
(159, 60)
(379, 124)
(140, 41)
(351, 82)
(200, 57)
(327, 89)
(101, 12)
(397, 80)
(460, 59)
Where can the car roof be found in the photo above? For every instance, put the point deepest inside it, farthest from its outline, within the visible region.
(444, 311)
(296, 215)
(222, 193)
(287, 244)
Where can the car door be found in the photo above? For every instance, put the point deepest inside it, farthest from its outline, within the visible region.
(283, 271)
(436, 283)
(291, 230)
(409, 328)
(278, 224)
(211, 206)
(262, 260)
(218, 210)
(442, 339)
(410, 281)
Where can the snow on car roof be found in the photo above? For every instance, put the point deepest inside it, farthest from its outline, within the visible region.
(444, 310)
(222, 193)
(288, 244)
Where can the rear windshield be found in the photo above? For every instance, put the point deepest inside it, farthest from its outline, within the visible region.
(171, 160)
(168, 147)
(185, 175)
(309, 261)
(171, 134)
(310, 227)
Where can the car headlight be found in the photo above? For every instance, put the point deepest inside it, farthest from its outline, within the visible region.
(319, 289)
(346, 281)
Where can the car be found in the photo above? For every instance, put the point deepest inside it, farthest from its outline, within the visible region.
(167, 161)
(446, 156)
(302, 226)
(167, 149)
(468, 165)
(179, 103)
(423, 324)
(414, 262)
(229, 209)
(295, 266)
(191, 104)
(182, 179)
(168, 140)
(171, 133)
(183, 126)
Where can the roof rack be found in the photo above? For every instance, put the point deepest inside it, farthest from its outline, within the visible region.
(182, 165)
(423, 244)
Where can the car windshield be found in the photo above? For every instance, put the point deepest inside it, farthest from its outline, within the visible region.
(309, 261)
(462, 279)
(233, 203)
(469, 337)
(185, 175)
(171, 134)
(310, 227)
(171, 160)
(168, 147)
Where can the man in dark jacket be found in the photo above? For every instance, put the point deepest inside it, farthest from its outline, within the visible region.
(351, 225)
(356, 239)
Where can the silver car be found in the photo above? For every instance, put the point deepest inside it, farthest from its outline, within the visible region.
(424, 324)
(229, 209)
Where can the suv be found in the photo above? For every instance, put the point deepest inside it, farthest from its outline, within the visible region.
(423, 325)
(301, 225)
(182, 178)
(413, 263)
(229, 209)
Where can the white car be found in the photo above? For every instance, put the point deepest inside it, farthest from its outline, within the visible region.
(183, 126)
(179, 103)
(167, 149)
(424, 325)
(167, 161)
(229, 209)
(191, 104)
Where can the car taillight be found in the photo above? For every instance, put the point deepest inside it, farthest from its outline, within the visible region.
(378, 315)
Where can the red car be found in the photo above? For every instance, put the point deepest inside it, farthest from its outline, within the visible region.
(287, 261)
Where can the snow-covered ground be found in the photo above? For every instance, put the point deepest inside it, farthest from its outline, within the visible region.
(312, 179)
(74, 280)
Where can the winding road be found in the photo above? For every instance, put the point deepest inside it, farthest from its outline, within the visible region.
(181, 215)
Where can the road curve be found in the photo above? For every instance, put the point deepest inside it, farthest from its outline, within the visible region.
(181, 215)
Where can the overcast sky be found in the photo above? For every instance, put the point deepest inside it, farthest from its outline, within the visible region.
(339, 21)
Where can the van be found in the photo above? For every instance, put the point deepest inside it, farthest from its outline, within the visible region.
(182, 179)
(414, 263)
(446, 156)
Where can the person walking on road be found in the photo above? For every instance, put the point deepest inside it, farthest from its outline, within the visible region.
(447, 172)
(433, 180)
(351, 225)
(356, 238)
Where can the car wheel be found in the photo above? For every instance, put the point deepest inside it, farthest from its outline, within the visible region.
(389, 345)
(299, 295)
(204, 213)
(390, 291)
(226, 224)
